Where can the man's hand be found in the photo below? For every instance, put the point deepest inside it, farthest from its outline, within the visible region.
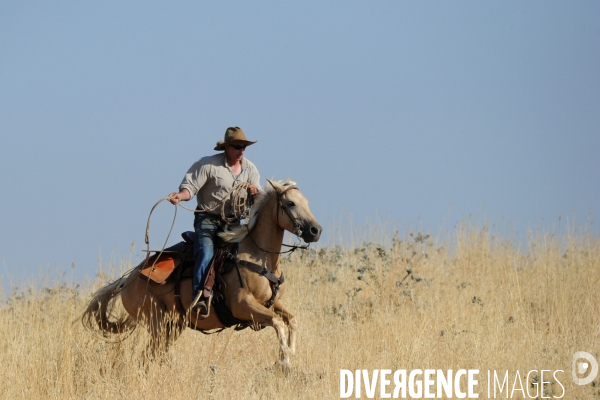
(175, 197)
(252, 190)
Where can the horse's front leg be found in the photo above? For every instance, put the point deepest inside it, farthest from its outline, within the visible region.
(290, 320)
(251, 310)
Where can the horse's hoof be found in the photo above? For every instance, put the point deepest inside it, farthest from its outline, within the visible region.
(284, 366)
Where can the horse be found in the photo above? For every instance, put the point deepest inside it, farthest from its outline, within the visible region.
(247, 294)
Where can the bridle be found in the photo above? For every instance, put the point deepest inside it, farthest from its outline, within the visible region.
(297, 230)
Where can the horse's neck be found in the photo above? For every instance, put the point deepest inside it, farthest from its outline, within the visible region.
(264, 245)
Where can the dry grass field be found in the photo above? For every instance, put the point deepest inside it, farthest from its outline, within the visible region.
(473, 300)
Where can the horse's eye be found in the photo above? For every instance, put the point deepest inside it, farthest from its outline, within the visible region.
(291, 204)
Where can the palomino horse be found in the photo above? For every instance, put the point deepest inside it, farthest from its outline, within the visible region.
(281, 208)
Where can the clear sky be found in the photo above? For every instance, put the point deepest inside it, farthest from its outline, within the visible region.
(418, 113)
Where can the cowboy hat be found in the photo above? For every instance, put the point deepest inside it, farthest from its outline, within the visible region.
(234, 135)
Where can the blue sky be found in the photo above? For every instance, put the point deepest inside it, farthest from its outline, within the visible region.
(416, 113)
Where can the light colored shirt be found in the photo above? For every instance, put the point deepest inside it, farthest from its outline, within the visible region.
(211, 178)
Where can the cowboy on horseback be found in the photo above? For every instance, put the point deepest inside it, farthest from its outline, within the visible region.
(211, 179)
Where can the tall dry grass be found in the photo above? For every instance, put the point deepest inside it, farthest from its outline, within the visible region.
(474, 300)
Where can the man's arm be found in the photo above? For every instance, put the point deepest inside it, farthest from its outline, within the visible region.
(193, 180)
(254, 181)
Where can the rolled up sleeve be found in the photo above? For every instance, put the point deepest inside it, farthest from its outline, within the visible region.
(195, 178)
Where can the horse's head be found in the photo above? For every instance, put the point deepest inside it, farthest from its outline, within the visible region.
(293, 213)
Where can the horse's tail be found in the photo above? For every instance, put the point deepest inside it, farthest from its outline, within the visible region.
(98, 312)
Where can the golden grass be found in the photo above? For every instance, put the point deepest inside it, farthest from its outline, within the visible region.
(475, 301)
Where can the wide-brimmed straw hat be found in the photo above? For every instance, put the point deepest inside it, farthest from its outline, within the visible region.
(234, 135)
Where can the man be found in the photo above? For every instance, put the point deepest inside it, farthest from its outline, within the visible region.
(210, 179)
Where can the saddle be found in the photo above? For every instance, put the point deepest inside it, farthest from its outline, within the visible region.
(176, 263)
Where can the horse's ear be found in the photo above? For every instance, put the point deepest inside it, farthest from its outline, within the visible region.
(278, 187)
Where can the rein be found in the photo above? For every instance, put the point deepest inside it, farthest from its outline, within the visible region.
(293, 247)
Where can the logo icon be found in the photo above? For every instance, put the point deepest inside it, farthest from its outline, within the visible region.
(582, 362)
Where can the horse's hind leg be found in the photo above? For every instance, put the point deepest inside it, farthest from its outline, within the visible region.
(290, 320)
(163, 330)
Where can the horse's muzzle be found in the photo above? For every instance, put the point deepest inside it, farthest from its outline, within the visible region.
(311, 232)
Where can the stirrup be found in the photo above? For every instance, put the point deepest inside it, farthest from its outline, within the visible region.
(202, 308)
(196, 299)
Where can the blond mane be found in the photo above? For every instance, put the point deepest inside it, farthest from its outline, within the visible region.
(237, 233)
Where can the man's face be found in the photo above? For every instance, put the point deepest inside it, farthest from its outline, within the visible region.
(235, 151)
